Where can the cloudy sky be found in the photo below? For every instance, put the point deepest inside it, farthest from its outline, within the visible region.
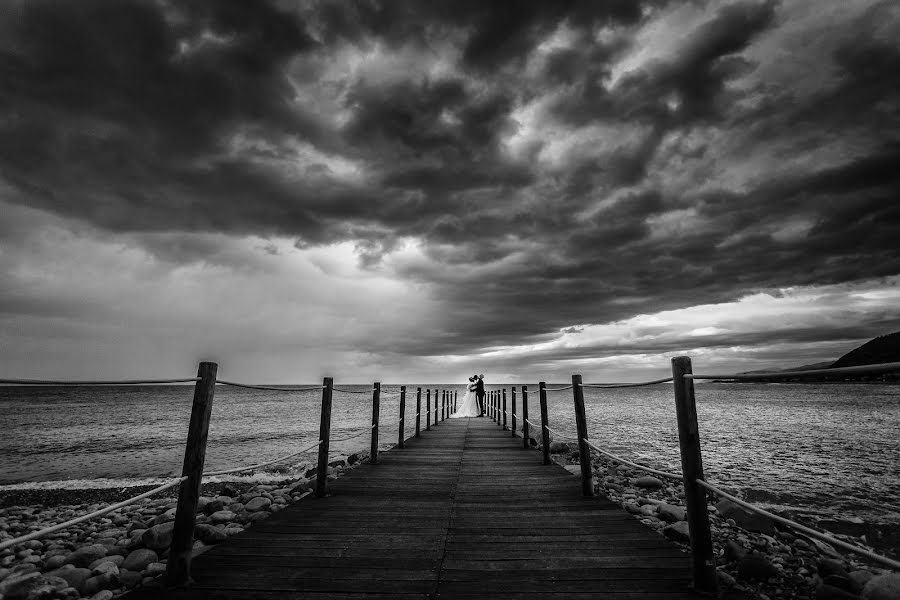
(414, 191)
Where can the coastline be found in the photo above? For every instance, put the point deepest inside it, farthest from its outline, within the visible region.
(754, 555)
(111, 554)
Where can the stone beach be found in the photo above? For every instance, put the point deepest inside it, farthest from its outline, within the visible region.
(103, 558)
(755, 555)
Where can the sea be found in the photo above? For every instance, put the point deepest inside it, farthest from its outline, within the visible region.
(824, 452)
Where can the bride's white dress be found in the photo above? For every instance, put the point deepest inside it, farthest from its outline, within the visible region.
(468, 407)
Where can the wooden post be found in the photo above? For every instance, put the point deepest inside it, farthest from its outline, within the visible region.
(402, 416)
(443, 405)
(325, 436)
(418, 411)
(455, 400)
(704, 561)
(545, 434)
(512, 410)
(584, 451)
(428, 409)
(494, 405)
(178, 569)
(525, 417)
(504, 409)
(376, 409)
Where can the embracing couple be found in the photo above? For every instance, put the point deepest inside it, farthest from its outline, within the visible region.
(473, 402)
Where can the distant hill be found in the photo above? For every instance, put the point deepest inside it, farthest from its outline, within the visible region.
(883, 349)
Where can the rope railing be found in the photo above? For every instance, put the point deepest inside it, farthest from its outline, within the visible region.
(97, 513)
(262, 464)
(269, 388)
(802, 528)
(609, 386)
(634, 465)
(858, 370)
(343, 391)
(73, 383)
(560, 389)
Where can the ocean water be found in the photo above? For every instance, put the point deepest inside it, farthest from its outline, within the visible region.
(826, 450)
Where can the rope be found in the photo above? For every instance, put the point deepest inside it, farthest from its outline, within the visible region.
(37, 534)
(562, 389)
(100, 382)
(352, 391)
(559, 435)
(271, 462)
(881, 367)
(274, 389)
(797, 526)
(625, 385)
(633, 464)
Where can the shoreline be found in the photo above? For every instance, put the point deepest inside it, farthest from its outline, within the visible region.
(107, 556)
(754, 555)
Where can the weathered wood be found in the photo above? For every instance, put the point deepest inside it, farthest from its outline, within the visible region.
(376, 413)
(443, 405)
(324, 437)
(504, 408)
(525, 417)
(455, 400)
(400, 442)
(545, 423)
(428, 410)
(418, 412)
(178, 569)
(584, 451)
(702, 556)
(512, 410)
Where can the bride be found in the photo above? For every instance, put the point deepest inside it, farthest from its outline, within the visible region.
(469, 405)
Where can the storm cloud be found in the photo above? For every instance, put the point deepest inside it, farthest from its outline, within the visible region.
(521, 168)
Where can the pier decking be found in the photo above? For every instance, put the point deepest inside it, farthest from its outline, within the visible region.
(462, 512)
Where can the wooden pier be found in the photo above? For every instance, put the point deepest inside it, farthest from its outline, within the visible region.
(461, 512)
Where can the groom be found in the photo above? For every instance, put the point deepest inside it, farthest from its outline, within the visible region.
(479, 393)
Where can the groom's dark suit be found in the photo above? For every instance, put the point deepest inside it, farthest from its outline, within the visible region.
(479, 393)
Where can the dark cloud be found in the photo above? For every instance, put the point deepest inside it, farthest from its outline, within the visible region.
(247, 117)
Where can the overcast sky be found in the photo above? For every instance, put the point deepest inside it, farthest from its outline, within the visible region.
(416, 191)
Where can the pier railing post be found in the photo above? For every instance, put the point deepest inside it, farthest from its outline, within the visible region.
(504, 409)
(584, 451)
(376, 410)
(525, 417)
(545, 433)
(178, 569)
(402, 416)
(512, 410)
(443, 405)
(325, 436)
(418, 411)
(428, 409)
(703, 559)
(455, 400)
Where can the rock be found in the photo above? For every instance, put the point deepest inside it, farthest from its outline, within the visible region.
(102, 595)
(831, 566)
(859, 579)
(154, 569)
(76, 576)
(129, 578)
(159, 537)
(228, 491)
(744, 518)
(259, 516)
(94, 584)
(678, 532)
(213, 506)
(830, 592)
(339, 462)
(55, 562)
(725, 579)
(106, 568)
(734, 551)
(839, 581)
(114, 559)
(86, 555)
(353, 459)
(559, 447)
(756, 567)
(648, 482)
(137, 560)
(206, 534)
(882, 587)
(222, 516)
(18, 586)
(258, 503)
(670, 513)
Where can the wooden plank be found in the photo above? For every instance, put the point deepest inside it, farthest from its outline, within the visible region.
(462, 512)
